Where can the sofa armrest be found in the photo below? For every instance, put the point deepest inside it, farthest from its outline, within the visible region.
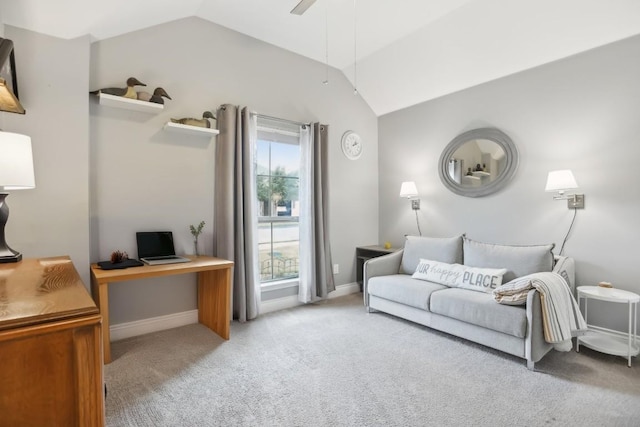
(535, 345)
(566, 267)
(380, 266)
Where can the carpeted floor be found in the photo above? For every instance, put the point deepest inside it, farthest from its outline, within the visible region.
(334, 364)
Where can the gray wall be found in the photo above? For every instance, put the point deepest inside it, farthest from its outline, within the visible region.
(53, 79)
(143, 178)
(579, 113)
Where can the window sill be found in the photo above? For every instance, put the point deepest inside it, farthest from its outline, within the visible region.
(279, 284)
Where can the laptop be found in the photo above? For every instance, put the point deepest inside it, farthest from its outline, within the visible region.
(156, 247)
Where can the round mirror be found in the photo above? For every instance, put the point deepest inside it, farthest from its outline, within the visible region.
(478, 162)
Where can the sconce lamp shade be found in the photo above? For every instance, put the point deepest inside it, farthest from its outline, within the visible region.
(16, 162)
(560, 180)
(408, 189)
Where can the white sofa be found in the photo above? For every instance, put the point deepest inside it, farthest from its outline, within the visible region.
(388, 287)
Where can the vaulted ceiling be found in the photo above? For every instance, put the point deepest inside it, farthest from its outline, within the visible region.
(405, 51)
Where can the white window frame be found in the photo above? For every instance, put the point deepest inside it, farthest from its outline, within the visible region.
(281, 133)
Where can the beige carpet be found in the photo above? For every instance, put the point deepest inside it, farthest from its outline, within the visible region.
(333, 364)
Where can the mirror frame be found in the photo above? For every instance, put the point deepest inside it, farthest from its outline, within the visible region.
(494, 135)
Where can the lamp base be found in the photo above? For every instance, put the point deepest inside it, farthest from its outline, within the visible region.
(11, 258)
(6, 253)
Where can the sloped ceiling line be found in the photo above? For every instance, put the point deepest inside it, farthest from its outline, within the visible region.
(409, 51)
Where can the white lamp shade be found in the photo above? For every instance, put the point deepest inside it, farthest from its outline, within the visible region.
(408, 189)
(16, 162)
(560, 180)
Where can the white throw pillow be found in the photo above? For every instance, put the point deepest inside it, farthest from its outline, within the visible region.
(460, 276)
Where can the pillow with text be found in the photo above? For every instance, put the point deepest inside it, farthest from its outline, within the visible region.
(460, 276)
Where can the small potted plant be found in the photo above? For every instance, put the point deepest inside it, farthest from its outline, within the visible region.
(195, 232)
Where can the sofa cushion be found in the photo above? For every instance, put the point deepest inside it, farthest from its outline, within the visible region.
(459, 276)
(479, 308)
(443, 249)
(518, 260)
(403, 289)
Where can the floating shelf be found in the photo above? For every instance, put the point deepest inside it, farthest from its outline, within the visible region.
(191, 130)
(129, 104)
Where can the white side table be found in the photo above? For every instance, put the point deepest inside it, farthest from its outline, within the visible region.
(604, 342)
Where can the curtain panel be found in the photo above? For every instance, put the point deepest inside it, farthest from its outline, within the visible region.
(235, 210)
(316, 271)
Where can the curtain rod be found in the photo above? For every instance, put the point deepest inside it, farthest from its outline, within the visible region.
(264, 116)
(280, 131)
(293, 122)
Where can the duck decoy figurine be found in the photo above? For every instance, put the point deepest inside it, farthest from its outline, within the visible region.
(156, 97)
(158, 93)
(126, 92)
(204, 122)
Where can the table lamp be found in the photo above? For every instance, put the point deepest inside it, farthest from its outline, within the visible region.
(16, 173)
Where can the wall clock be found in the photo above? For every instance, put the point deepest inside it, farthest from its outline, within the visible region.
(351, 145)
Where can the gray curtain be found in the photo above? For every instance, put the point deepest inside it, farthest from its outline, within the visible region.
(325, 282)
(317, 281)
(235, 215)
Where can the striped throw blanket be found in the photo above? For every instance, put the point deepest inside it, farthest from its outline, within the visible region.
(561, 317)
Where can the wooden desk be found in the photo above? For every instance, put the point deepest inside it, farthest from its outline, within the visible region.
(50, 346)
(214, 291)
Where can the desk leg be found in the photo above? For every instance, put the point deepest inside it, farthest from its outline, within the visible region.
(214, 293)
(101, 296)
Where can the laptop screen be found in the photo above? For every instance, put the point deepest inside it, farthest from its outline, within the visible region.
(155, 243)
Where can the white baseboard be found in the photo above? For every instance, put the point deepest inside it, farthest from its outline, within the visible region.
(279, 304)
(346, 289)
(153, 324)
(160, 323)
(292, 300)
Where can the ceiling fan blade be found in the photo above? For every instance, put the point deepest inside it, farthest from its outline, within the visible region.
(302, 7)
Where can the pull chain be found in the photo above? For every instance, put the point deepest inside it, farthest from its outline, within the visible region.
(326, 40)
(355, 52)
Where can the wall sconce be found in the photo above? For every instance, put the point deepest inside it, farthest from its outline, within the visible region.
(561, 181)
(409, 190)
(16, 173)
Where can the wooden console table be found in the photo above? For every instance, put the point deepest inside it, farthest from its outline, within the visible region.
(50, 346)
(214, 291)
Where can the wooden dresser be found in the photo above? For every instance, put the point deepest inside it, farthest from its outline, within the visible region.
(50, 346)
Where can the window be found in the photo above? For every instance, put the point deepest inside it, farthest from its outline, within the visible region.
(278, 183)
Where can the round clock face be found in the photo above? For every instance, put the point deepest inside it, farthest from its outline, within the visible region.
(351, 145)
